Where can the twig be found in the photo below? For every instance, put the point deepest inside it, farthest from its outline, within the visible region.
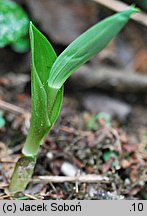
(9, 160)
(11, 108)
(30, 196)
(119, 6)
(62, 179)
(4, 197)
(73, 131)
(3, 185)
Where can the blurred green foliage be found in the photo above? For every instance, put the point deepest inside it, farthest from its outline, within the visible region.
(14, 24)
(93, 124)
(107, 155)
(2, 120)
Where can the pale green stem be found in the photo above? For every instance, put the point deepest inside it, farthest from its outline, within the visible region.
(22, 174)
(25, 166)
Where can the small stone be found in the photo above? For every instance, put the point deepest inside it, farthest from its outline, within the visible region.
(68, 169)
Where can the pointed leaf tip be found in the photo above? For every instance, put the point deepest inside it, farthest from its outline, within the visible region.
(86, 46)
(32, 27)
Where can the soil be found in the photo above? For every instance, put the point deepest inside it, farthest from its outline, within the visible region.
(85, 147)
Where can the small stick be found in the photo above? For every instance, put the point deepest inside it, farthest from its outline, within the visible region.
(77, 182)
(3, 185)
(30, 196)
(2, 161)
(119, 6)
(62, 179)
(73, 131)
(11, 108)
(4, 197)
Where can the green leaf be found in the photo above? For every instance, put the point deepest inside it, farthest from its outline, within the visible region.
(43, 55)
(56, 106)
(40, 122)
(14, 22)
(42, 59)
(86, 46)
(48, 73)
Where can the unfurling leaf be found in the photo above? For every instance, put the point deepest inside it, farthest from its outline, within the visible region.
(42, 59)
(86, 46)
(48, 73)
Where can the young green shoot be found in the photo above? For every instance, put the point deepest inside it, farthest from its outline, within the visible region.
(48, 75)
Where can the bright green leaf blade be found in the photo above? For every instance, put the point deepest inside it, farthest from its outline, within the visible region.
(44, 55)
(40, 117)
(87, 46)
(42, 59)
(40, 123)
(14, 22)
(56, 106)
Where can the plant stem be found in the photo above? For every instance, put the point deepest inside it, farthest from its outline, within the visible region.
(22, 174)
(25, 166)
(32, 144)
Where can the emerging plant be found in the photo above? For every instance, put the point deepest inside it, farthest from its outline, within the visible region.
(48, 74)
(14, 25)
